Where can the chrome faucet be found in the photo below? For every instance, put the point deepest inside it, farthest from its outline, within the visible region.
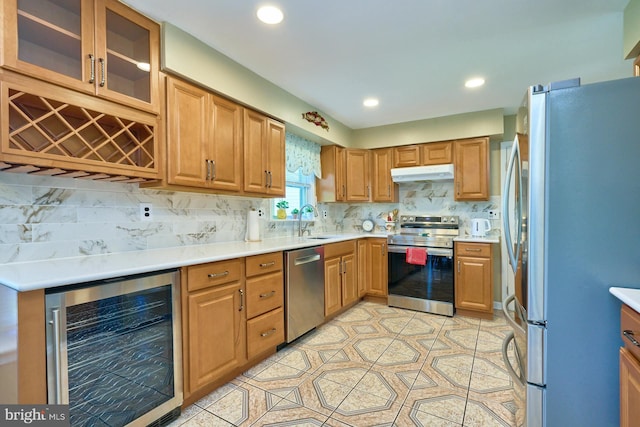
(315, 213)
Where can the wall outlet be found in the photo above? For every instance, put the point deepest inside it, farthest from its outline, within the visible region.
(494, 214)
(324, 214)
(260, 213)
(146, 212)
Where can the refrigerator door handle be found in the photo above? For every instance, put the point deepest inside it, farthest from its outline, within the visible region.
(505, 357)
(505, 304)
(514, 161)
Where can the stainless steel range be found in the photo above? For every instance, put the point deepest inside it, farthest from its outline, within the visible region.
(428, 287)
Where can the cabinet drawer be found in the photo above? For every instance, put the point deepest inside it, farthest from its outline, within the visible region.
(473, 249)
(214, 273)
(266, 263)
(630, 321)
(264, 293)
(338, 249)
(265, 332)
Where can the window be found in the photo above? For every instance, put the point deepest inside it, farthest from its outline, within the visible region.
(299, 191)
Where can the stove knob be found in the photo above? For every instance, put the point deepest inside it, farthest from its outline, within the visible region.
(411, 219)
(453, 219)
(445, 220)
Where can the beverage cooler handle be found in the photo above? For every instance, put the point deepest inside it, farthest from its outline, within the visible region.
(505, 357)
(513, 256)
(57, 353)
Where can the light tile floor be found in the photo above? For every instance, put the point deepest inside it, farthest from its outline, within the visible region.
(373, 366)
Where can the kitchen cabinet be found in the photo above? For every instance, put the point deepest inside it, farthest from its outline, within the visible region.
(474, 279)
(264, 155)
(340, 273)
(383, 189)
(265, 301)
(204, 139)
(51, 130)
(436, 153)
(357, 175)
(406, 156)
(362, 249)
(213, 324)
(100, 47)
(345, 175)
(332, 187)
(378, 262)
(629, 367)
(471, 173)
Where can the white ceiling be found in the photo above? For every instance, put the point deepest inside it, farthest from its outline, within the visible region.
(414, 55)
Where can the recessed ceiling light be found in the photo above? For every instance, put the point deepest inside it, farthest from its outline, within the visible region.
(370, 102)
(475, 82)
(270, 15)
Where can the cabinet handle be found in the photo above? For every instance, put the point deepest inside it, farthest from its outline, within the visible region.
(472, 249)
(629, 335)
(216, 275)
(92, 73)
(389, 190)
(268, 294)
(344, 191)
(458, 266)
(267, 264)
(208, 170)
(266, 179)
(270, 179)
(241, 300)
(213, 169)
(103, 80)
(382, 248)
(269, 332)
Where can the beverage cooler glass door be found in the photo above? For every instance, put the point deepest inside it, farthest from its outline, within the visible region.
(113, 350)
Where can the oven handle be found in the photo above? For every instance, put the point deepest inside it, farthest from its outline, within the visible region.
(398, 249)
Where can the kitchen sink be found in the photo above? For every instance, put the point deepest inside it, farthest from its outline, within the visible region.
(321, 237)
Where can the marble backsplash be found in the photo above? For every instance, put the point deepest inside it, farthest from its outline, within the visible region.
(47, 217)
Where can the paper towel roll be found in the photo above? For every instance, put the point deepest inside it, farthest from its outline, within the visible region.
(253, 226)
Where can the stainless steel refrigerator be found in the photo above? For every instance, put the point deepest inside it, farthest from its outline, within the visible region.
(571, 212)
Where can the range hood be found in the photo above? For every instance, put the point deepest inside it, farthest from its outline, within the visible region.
(423, 173)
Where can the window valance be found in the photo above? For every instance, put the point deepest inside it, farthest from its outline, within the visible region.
(302, 153)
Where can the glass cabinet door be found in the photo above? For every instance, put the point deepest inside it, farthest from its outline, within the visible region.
(52, 36)
(127, 64)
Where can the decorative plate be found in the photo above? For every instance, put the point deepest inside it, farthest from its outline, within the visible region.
(367, 225)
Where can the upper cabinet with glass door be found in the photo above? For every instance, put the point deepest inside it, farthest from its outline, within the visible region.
(100, 47)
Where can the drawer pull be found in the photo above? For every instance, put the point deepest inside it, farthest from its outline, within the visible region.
(473, 249)
(267, 264)
(241, 300)
(629, 335)
(216, 275)
(269, 332)
(268, 294)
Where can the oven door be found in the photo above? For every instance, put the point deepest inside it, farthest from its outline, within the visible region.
(426, 287)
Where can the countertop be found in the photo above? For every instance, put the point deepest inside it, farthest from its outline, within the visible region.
(629, 296)
(26, 276)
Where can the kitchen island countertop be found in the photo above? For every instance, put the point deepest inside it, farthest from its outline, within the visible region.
(27, 276)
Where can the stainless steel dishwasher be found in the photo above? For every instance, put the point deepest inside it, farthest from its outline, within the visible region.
(304, 290)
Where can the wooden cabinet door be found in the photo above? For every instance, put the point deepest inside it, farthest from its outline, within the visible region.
(276, 157)
(357, 177)
(405, 156)
(49, 42)
(256, 176)
(363, 266)
(216, 333)
(378, 268)
(187, 134)
(225, 144)
(332, 186)
(349, 279)
(437, 153)
(128, 55)
(332, 285)
(471, 177)
(383, 189)
(473, 284)
(629, 389)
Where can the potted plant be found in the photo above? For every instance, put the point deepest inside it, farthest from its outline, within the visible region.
(282, 206)
(305, 212)
(294, 213)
